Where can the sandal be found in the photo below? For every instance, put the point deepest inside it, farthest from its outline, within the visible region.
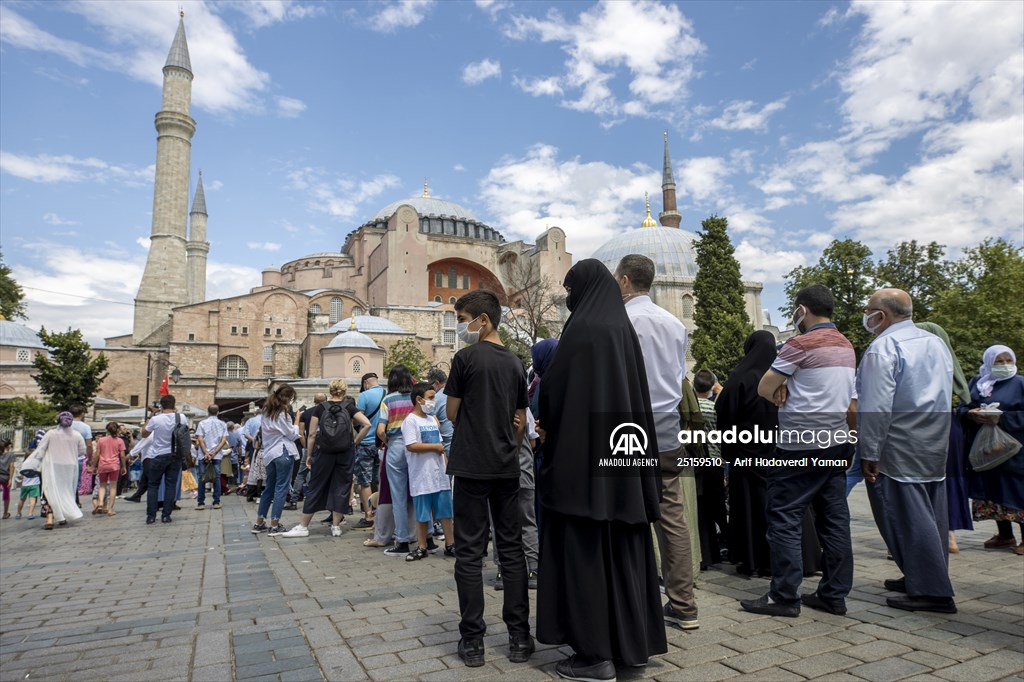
(48, 526)
(111, 513)
(7, 515)
(370, 542)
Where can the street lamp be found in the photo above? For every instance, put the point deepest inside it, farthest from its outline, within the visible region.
(176, 374)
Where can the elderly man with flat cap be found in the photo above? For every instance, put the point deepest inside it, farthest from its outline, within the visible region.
(904, 389)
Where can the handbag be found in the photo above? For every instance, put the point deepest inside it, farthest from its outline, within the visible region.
(992, 446)
(226, 468)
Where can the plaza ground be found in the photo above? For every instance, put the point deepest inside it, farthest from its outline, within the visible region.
(204, 599)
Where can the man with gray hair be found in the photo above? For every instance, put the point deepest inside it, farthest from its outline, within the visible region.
(904, 390)
(663, 341)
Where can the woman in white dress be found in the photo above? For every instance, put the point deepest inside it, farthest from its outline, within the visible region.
(58, 453)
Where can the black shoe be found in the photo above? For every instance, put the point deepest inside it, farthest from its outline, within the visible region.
(291, 506)
(520, 648)
(150, 519)
(363, 524)
(936, 604)
(472, 652)
(431, 547)
(570, 669)
(329, 519)
(813, 601)
(417, 554)
(165, 519)
(134, 498)
(498, 583)
(398, 549)
(259, 528)
(762, 606)
(176, 507)
(897, 585)
(531, 581)
(449, 550)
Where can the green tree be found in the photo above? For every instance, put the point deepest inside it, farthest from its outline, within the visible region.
(720, 313)
(70, 374)
(34, 412)
(516, 344)
(406, 352)
(846, 268)
(921, 271)
(12, 298)
(982, 306)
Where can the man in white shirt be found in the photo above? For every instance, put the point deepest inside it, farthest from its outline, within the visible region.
(159, 462)
(212, 434)
(77, 411)
(905, 394)
(663, 340)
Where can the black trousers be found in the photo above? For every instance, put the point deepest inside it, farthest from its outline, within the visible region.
(472, 499)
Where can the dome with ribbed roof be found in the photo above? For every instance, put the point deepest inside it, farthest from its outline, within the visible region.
(352, 339)
(426, 207)
(18, 335)
(670, 248)
(369, 323)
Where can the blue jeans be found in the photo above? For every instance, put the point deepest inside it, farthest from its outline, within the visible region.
(279, 479)
(854, 474)
(398, 480)
(201, 466)
(165, 469)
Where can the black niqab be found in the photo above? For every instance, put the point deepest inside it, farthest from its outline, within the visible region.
(739, 404)
(598, 369)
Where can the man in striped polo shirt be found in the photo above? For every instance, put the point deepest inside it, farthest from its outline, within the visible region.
(812, 382)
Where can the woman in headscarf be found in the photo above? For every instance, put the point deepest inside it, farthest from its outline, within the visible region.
(58, 453)
(739, 405)
(998, 493)
(957, 499)
(598, 592)
(542, 353)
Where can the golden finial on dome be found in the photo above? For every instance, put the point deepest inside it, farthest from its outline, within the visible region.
(648, 221)
(426, 189)
(352, 325)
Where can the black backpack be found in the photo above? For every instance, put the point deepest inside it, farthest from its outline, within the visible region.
(181, 440)
(335, 431)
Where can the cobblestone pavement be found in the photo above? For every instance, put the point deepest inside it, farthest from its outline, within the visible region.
(204, 599)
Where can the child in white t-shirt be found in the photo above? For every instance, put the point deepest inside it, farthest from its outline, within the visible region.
(428, 482)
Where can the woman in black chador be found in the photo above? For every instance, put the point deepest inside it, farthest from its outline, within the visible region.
(598, 592)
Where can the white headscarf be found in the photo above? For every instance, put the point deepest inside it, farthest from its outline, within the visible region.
(985, 379)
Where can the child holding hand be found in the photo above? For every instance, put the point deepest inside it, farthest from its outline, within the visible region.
(428, 482)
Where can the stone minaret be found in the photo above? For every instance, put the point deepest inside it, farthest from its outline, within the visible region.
(670, 216)
(164, 283)
(197, 247)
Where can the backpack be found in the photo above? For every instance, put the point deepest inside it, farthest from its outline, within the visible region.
(181, 440)
(335, 430)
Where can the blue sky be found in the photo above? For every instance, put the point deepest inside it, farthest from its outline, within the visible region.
(799, 121)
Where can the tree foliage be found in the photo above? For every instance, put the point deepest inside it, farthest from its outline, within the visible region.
(32, 411)
(71, 374)
(516, 345)
(720, 313)
(12, 297)
(406, 352)
(534, 299)
(982, 305)
(846, 268)
(921, 271)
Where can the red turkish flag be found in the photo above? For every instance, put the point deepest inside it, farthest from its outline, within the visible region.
(163, 386)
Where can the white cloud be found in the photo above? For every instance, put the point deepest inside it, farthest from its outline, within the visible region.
(213, 186)
(264, 246)
(458, 168)
(337, 196)
(591, 200)
(67, 168)
(54, 219)
(492, 7)
(262, 13)
(651, 44)
(138, 36)
(760, 261)
(289, 107)
(832, 16)
(701, 177)
(400, 14)
(144, 242)
(749, 65)
(745, 116)
(477, 72)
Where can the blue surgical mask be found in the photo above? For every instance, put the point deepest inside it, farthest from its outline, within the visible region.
(467, 337)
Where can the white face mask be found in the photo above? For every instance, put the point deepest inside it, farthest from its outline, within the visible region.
(467, 337)
(871, 328)
(798, 316)
(429, 406)
(1000, 372)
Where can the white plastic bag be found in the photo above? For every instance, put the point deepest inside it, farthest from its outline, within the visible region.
(992, 446)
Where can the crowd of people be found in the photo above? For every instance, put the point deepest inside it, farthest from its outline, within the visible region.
(495, 454)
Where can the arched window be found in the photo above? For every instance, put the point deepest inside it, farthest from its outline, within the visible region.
(232, 367)
(452, 300)
(314, 309)
(336, 309)
(687, 305)
(357, 366)
(453, 278)
(437, 299)
(357, 310)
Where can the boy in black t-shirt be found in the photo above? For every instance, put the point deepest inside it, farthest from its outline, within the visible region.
(486, 390)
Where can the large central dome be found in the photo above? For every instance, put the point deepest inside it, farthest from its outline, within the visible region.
(670, 248)
(426, 206)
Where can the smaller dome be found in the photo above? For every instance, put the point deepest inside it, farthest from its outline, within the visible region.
(352, 339)
(670, 248)
(369, 323)
(14, 334)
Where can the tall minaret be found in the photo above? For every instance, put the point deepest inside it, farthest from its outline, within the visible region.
(164, 283)
(670, 216)
(197, 247)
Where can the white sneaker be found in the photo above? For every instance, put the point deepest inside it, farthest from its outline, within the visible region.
(335, 531)
(296, 532)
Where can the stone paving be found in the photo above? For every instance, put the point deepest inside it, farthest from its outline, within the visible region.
(204, 599)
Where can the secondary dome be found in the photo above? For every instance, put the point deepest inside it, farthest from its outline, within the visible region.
(352, 339)
(670, 248)
(426, 206)
(368, 323)
(14, 334)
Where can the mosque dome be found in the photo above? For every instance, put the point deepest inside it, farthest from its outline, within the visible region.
(670, 248)
(369, 323)
(18, 335)
(426, 207)
(352, 339)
